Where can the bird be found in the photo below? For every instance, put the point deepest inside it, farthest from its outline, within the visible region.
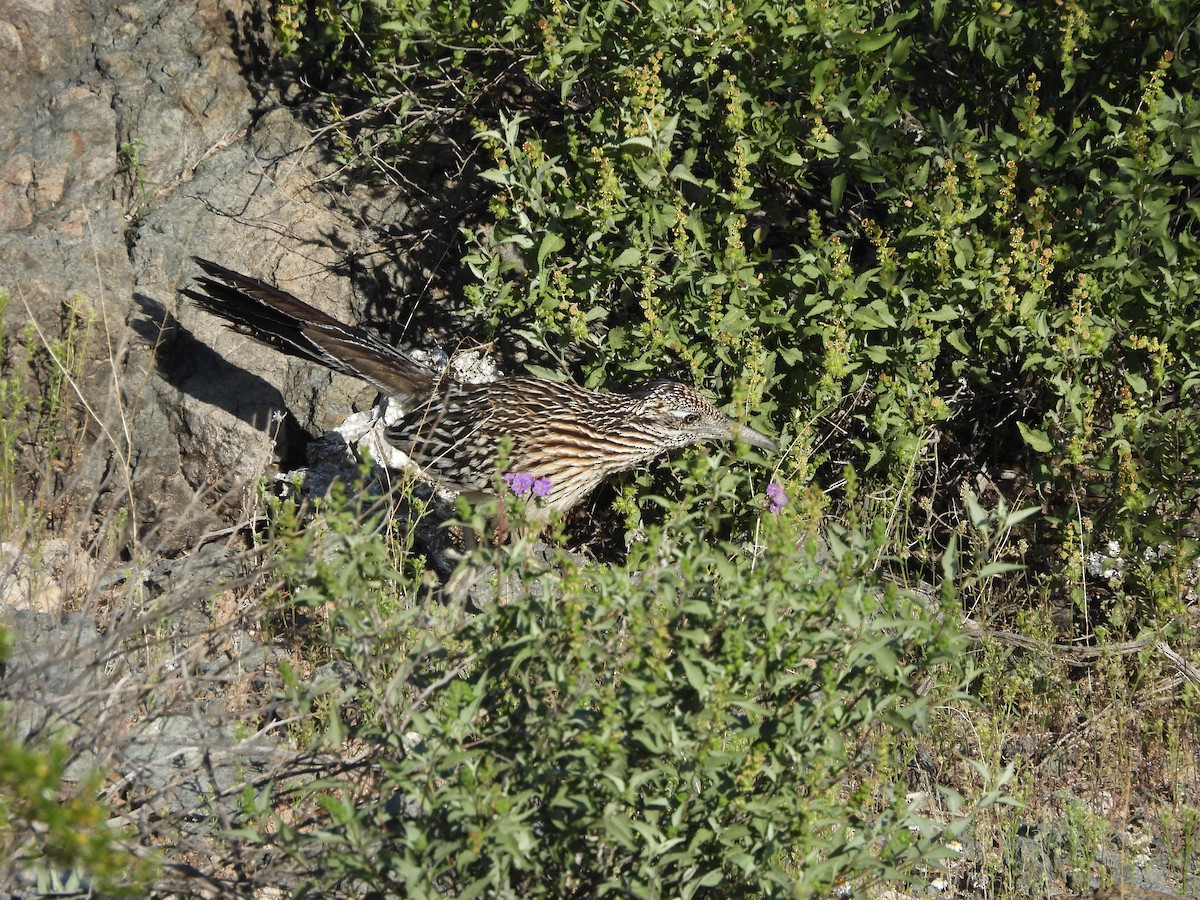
(562, 440)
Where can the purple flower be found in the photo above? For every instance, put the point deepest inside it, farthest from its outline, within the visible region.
(778, 498)
(521, 483)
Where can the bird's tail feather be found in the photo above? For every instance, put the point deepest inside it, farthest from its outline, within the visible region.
(288, 324)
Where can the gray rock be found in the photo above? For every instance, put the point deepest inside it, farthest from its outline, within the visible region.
(200, 572)
(107, 109)
(141, 134)
(147, 132)
(1032, 858)
(187, 763)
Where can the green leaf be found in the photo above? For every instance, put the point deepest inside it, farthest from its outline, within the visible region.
(498, 176)
(837, 187)
(630, 256)
(793, 159)
(874, 40)
(1136, 382)
(1037, 439)
(944, 313)
(695, 677)
(958, 342)
(682, 173)
(993, 569)
(1016, 518)
(552, 242)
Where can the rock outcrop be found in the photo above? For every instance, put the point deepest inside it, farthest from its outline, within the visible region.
(138, 135)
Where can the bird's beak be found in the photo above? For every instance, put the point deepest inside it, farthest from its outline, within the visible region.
(749, 436)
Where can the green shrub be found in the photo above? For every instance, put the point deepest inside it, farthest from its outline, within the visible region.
(962, 224)
(953, 245)
(707, 721)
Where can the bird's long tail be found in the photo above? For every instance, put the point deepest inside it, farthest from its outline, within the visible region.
(291, 326)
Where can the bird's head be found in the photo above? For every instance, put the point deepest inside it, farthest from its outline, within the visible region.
(681, 415)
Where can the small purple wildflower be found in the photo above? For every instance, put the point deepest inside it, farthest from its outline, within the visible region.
(777, 496)
(521, 483)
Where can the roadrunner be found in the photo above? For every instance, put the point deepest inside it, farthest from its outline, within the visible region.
(564, 440)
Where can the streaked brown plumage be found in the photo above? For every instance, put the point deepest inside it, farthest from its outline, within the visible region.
(574, 437)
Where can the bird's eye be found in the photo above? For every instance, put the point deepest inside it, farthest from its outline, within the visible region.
(691, 419)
